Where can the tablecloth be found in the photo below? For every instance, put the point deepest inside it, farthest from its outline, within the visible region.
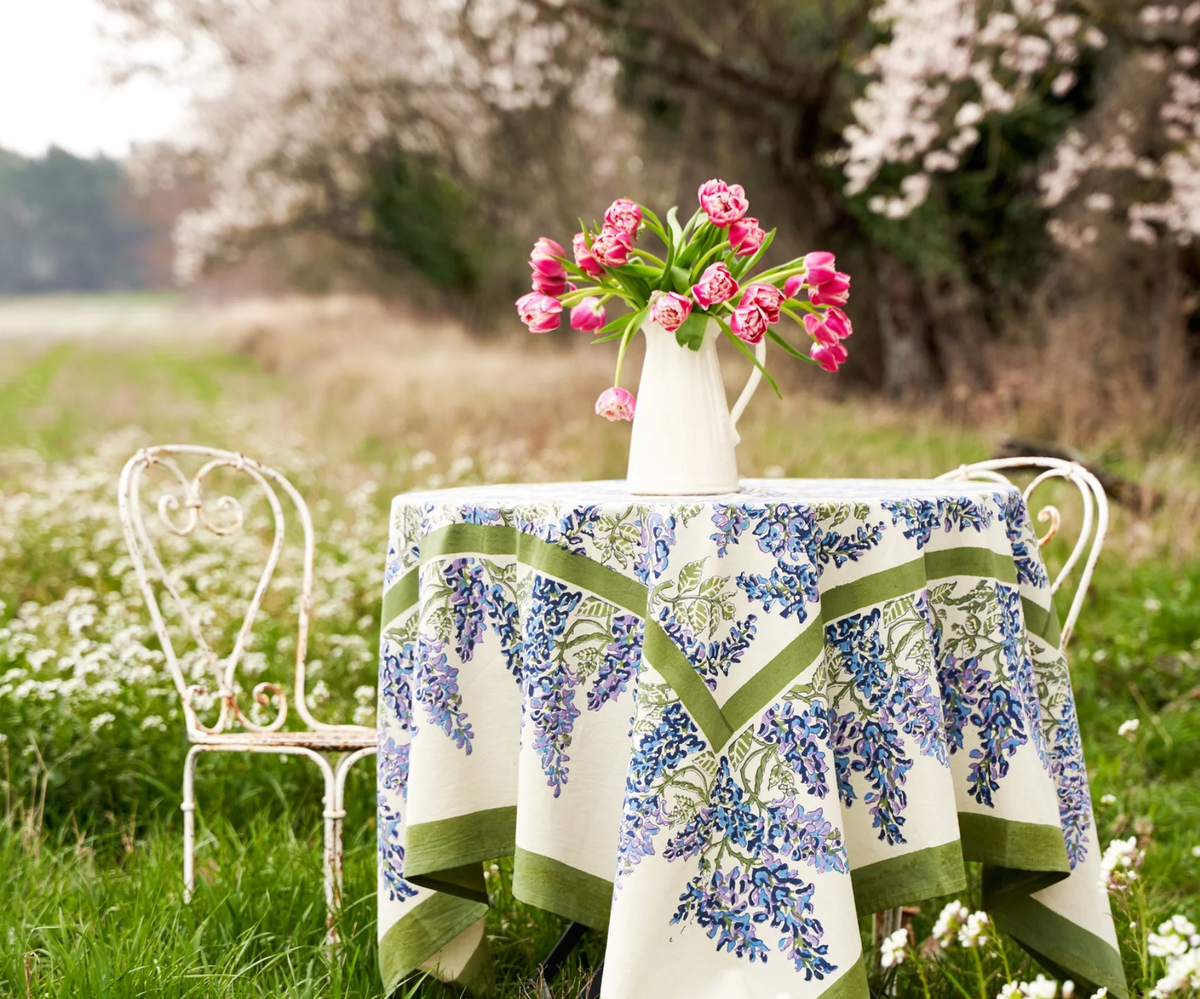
(723, 728)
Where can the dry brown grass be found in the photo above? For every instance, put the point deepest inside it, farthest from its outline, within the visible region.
(414, 402)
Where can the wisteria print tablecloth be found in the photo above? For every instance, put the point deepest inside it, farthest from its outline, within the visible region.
(725, 727)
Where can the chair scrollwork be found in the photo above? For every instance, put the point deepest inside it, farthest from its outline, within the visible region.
(1094, 522)
(187, 507)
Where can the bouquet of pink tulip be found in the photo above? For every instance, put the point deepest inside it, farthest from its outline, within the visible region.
(701, 276)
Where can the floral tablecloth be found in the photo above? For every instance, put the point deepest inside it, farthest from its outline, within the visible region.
(724, 728)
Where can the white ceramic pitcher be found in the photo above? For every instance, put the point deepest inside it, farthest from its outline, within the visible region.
(684, 433)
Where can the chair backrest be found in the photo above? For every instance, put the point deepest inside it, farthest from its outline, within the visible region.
(184, 509)
(1095, 516)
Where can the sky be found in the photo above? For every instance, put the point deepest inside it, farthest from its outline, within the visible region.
(53, 90)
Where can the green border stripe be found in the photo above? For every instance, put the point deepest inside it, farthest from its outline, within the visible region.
(1023, 846)
(465, 881)
(1042, 622)
(664, 655)
(481, 539)
(602, 580)
(401, 595)
(559, 888)
(436, 847)
(852, 985)
(495, 539)
(421, 932)
(982, 562)
(874, 589)
(1067, 950)
(909, 878)
(753, 695)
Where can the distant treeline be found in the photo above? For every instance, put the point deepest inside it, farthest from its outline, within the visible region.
(69, 224)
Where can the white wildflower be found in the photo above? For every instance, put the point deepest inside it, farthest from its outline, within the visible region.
(974, 932)
(952, 916)
(1118, 866)
(1196, 851)
(1068, 989)
(1174, 938)
(1041, 988)
(319, 694)
(1128, 728)
(1011, 990)
(101, 720)
(364, 694)
(1183, 973)
(1152, 605)
(364, 714)
(153, 722)
(892, 950)
(1100, 993)
(1108, 799)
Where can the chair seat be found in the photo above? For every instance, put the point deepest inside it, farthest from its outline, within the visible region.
(341, 737)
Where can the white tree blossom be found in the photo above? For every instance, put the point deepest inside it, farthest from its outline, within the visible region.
(299, 94)
(948, 64)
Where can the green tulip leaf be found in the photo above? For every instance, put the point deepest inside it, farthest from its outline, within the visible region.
(691, 333)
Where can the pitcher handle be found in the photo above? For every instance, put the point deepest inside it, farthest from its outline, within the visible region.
(739, 407)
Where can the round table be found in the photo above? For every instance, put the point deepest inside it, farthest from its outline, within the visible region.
(723, 728)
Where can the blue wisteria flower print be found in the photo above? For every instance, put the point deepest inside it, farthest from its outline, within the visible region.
(548, 684)
(436, 682)
(390, 836)
(921, 517)
(776, 686)
(748, 848)
(802, 540)
(1030, 569)
(622, 657)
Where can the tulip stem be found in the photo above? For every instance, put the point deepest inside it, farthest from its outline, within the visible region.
(645, 255)
(576, 296)
(629, 334)
(783, 271)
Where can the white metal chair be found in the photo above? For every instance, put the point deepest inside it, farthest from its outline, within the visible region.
(183, 508)
(1092, 532)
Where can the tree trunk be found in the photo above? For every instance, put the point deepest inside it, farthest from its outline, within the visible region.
(910, 366)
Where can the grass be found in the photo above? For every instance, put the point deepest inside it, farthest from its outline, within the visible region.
(90, 902)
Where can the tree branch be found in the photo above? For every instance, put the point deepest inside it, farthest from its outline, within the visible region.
(718, 61)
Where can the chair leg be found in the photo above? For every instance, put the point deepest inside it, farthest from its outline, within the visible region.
(335, 816)
(189, 822)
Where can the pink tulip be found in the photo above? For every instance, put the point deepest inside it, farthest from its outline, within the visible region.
(746, 237)
(545, 284)
(828, 356)
(716, 285)
(818, 328)
(723, 203)
(767, 297)
(616, 404)
(539, 312)
(583, 257)
(669, 310)
(839, 322)
(835, 292)
(589, 315)
(623, 216)
(819, 267)
(611, 248)
(543, 258)
(749, 323)
(792, 286)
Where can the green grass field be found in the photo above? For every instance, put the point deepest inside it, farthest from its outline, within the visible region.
(361, 406)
